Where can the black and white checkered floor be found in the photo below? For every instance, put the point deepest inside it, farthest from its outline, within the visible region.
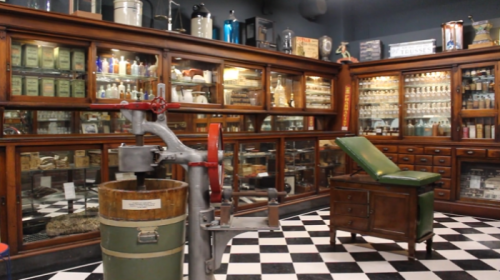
(464, 248)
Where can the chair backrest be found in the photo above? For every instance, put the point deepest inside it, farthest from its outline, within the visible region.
(367, 156)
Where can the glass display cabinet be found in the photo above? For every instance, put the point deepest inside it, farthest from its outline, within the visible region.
(288, 123)
(103, 122)
(286, 90)
(480, 181)
(126, 75)
(194, 81)
(300, 166)
(230, 123)
(378, 110)
(25, 122)
(478, 97)
(243, 86)
(42, 69)
(256, 169)
(332, 162)
(427, 103)
(319, 93)
(59, 193)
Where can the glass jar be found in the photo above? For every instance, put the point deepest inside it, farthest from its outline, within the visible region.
(287, 40)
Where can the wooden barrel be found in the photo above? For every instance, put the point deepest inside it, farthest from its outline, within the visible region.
(142, 233)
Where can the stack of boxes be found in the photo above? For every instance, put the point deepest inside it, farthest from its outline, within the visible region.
(370, 50)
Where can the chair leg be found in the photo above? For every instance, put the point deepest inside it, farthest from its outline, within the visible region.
(411, 250)
(333, 236)
(429, 246)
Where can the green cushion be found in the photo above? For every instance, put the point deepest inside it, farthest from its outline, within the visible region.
(410, 178)
(425, 214)
(367, 156)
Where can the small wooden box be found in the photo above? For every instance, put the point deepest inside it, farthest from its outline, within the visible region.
(82, 161)
(307, 47)
(80, 153)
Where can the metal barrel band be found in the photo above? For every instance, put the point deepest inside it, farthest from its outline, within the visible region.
(135, 224)
(142, 255)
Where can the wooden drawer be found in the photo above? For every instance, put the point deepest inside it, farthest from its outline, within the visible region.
(350, 222)
(423, 168)
(445, 172)
(466, 152)
(441, 161)
(406, 159)
(349, 209)
(387, 148)
(437, 151)
(392, 157)
(444, 183)
(410, 150)
(442, 194)
(351, 196)
(419, 159)
(494, 153)
(406, 167)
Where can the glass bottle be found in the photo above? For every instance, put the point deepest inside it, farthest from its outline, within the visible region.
(102, 93)
(487, 102)
(470, 103)
(127, 95)
(134, 93)
(292, 101)
(129, 68)
(287, 41)
(121, 88)
(105, 66)
(436, 129)
(40, 4)
(114, 91)
(410, 130)
(122, 95)
(109, 92)
(279, 94)
(142, 69)
(419, 129)
(98, 64)
(428, 129)
(122, 67)
(116, 66)
(111, 65)
(465, 131)
(475, 103)
(232, 29)
(135, 69)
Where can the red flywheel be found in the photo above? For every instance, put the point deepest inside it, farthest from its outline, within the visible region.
(215, 172)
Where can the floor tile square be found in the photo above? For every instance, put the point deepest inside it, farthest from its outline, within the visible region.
(296, 234)
(243, 277)
(493, 224)
(495, 263)
(466, 219)
(317, 228)
(484, 254)
(330, 248)
(443, 231)
(279, 277)
(313, 223)
(298, 241)
(271, 249)
(243, 269)
(344, 267)
(395, 255)
(468, 230)
(85, 268)
(99, 269)
(277, 268)
(320, 233)
(373, 240)
(348, 240)
(441, 265)
(336, 257)
(444, 220)
(376, 267)
(291, 223)
(311, 268)
(478, 225)
(70, 275)
(293, 228)
(421, 275)
(444, 246)
(363, 247)
(386, 247)
(485, 275)
(270, 234)
(454, 275)
(248, 234)
(422, 255)
(385, 276)
(349, 276)
(245, 241)
(244, 258)
(306, 257)
(455, 237)
(455, 225)
(275, 258)
(302, 249)
(470, 245)
(367, 257)
(489, 230)
(456, 255)
(311, 218)
(245, 249)
(481, 237)
(320, 240)
(272, 241)
(472, 265)
(404, 266)
(314, 277)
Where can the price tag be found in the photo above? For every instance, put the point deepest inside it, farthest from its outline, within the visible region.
(46, 181)
(475, 182)
(69, 191)
(263, 174)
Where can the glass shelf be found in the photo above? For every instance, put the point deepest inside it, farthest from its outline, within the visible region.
(318, 93)
(243, 86)
(288, 123)
(480, 180)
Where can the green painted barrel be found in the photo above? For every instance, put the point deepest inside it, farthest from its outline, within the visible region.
(142, 233)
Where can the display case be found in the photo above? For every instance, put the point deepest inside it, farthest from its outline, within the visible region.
(479, 181)
(319, 93)
(194, 80)
(58, 191)
(26, 122)
(478, 99)
(92, 122)
(47, 71)
(332, 162)
(288, 123)
(285, 90)
(126, 75)
(378, 105)
(243, 86)
(257, 165)
(427, 103)
(230, 123)
(300, 166)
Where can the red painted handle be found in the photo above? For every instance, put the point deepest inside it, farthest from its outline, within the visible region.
(143, 106)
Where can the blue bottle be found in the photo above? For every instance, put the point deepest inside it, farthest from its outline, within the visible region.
(146, 95)
(232, 29)
(98, 64)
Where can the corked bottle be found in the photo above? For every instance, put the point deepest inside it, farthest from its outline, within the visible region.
(487, 129)
(479, 130)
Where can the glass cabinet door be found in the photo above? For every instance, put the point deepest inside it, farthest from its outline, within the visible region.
(256, 169)
(103, 122)
(331, 162)
(45, 178)
(47, 69)
(288, 123)
(243, 86)
(230, 123)
(126, 75)
(194, 81)
(427, 104)
(285, 90)
(378, 105)
(25, 122)
(319, 93)
(300, 166)
(480, 181)
(478, 103)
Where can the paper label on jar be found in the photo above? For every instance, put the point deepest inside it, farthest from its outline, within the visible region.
(47, 87)
(141, 204)
(15, 55)
(31, 56)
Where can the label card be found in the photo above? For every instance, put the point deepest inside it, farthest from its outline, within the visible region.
(141, 204)
(46, 181)
(69, 191)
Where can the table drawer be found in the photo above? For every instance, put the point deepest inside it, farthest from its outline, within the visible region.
(494, 153)
(444, 183)
(419, 159)
(423, 168)
(350, 222)
(387, 148)
(445, 172)
(410, 150)
(437, 151)
(349, 209)
(351, 196)
(406, 159)
(392, 157)
(442, 194)
(406, 167)
(466, 152)
(441, 161)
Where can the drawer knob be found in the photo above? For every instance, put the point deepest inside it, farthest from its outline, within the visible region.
(440, 193)
(441, 171)
(349, 210)
(423, 160)
(385, 149)
(441, 160)
(349, 223)
(410, 150)
(470, 152)
(437, 151)
(406, 159)
(390, 158)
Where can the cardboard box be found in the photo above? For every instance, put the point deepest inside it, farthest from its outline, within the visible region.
(307, 47)
(80, 153)
(25, 166)
(34, 162)
(95, 158)
(245, 169)
(81, 162)
(25, 158)
(113, 159)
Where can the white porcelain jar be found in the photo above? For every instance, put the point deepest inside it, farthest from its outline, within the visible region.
(128, 12)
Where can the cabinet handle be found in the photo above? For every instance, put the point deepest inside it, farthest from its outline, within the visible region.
(437, 151)
(8, 67)
(470, 152)
(385, 149)
(441, 160)
(441, 171)
(423, 160)
(349, 223)
(349, 197)
(406, 159)
(390, 158)
(349, 210)
(440, 193)
(410, 150)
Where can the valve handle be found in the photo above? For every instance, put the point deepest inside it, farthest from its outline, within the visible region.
(215, 173)
(158, 106)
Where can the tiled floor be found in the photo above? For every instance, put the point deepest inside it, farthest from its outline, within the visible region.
(464, 248)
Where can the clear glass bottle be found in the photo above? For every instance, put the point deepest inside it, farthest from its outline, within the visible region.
(279, 94)
(122, 67)
(287, 41)
(410, 129)
(40, 5)
(419, 129)
(232, 29)
(292, 101)
(428, 129)
(135, 69)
